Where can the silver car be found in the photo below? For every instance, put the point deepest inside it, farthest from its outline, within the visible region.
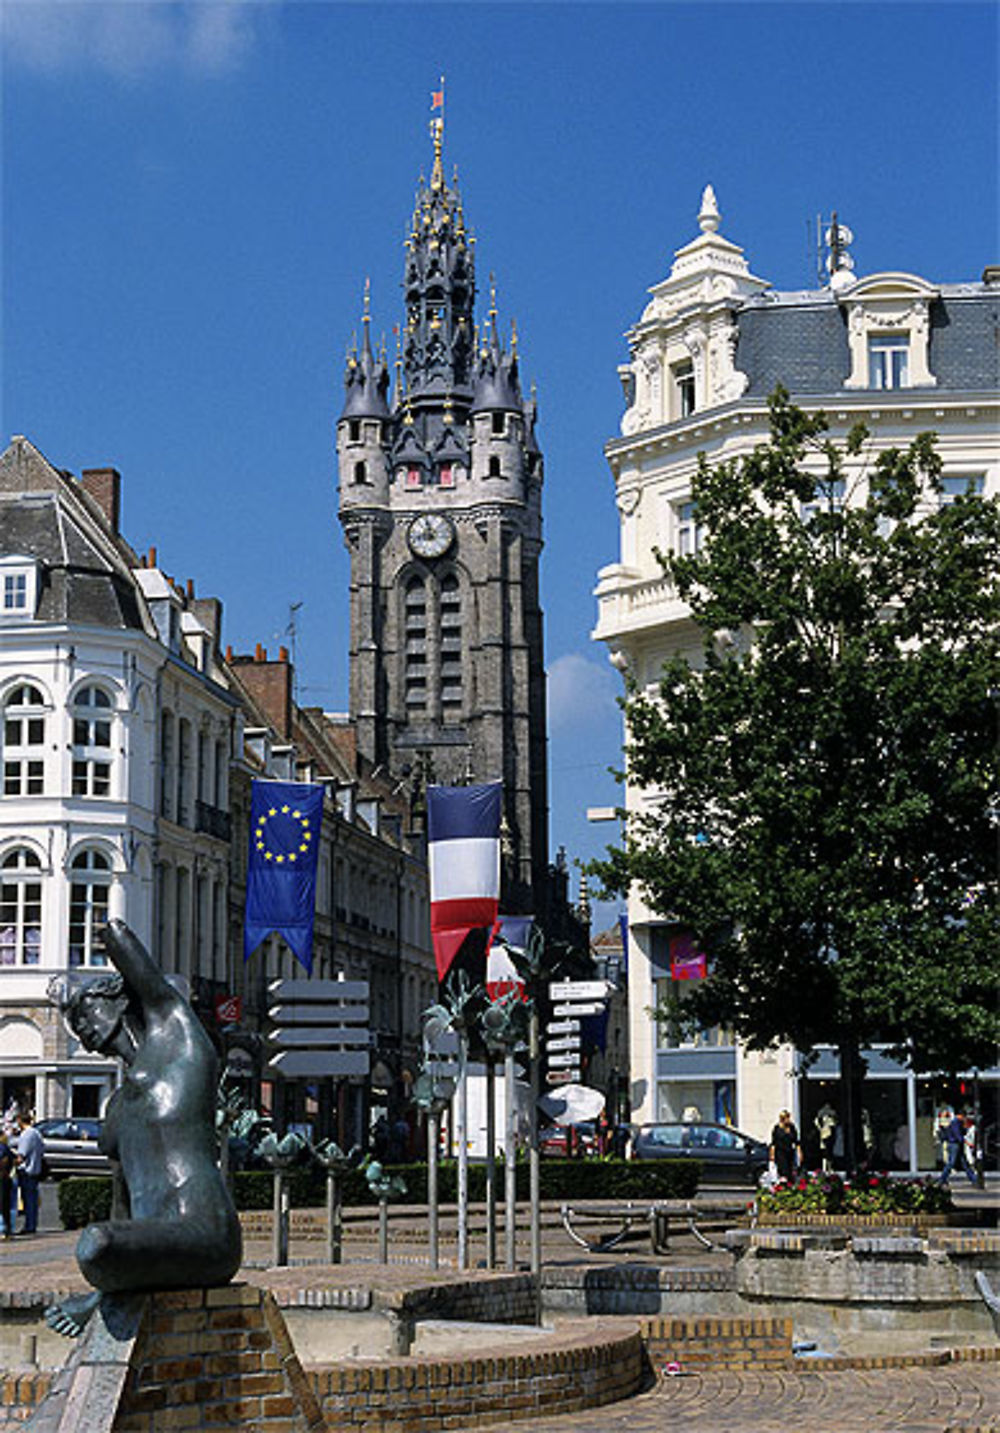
(71, 1147)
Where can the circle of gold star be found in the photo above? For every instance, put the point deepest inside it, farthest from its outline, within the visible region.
(272, 848)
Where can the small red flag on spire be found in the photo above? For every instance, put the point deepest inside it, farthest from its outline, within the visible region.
(437, 99)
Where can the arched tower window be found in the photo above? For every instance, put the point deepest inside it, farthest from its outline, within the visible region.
(493, 470)
(88, 907)
(24, 742)
(415, 645)
(20, 908)
(451, 647)
(91, 742)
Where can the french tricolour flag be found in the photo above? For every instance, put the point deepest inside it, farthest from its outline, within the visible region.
(502, 975)
(463, 830)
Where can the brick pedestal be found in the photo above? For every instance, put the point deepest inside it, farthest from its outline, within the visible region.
(208, 1358)
(192, 1360)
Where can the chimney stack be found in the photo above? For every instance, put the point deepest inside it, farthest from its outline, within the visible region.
(104, 485)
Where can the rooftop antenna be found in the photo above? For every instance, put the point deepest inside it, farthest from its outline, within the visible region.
(836, 269)
(291, 632)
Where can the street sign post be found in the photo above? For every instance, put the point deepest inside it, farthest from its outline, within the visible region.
(320, 1028)
(594, 1008)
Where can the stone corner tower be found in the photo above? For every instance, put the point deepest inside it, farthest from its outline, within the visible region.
(440, 490)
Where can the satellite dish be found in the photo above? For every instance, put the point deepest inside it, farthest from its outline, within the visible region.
(571, 1104)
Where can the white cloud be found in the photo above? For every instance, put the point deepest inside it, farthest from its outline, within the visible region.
(131, 38)
(581, 697)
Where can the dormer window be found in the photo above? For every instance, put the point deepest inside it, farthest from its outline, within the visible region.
(413, 478)
(889, 360)
(447, 475)
(888, 332)
(18, 587)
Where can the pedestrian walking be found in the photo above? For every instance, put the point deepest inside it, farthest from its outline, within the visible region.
(786, 1152)
(954, 1149)
(7, 1207)
(30, 1158)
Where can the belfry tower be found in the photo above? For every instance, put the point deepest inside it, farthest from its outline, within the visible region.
(440, 503)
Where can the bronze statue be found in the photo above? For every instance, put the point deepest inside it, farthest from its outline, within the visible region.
(173, 1224)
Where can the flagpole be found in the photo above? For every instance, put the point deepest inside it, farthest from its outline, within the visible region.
(534, 1161)
(462, 1135)
(510, 1158)
(491, 1162)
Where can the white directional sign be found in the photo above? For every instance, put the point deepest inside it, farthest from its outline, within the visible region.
(312, 990)
(562, 1027)
(579, 1009)
(299, 1036)
(316, 1064)
(578, 990)
(565, 1059)
(563, 1042)
(323, 1010)
(321, 1027)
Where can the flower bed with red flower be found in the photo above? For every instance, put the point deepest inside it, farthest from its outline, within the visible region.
(827, 1193)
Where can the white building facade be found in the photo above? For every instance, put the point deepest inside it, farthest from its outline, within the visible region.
(87, 681)
(893, 350)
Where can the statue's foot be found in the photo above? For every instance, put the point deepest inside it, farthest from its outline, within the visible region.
(71, 1316)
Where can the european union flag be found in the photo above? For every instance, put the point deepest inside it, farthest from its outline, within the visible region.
(286, 818)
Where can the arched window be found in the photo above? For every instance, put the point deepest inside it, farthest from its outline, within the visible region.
(91, 742)
(88, 907)
(415, 644)
(24, 742)
(20, 908)
(451, 647)
(493, 470)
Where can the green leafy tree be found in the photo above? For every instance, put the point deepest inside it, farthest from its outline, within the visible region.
(826, 816)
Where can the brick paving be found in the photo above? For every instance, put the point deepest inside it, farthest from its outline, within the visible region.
(956, 1398)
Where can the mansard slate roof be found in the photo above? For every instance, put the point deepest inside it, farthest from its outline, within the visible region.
(800, 340)
(45, 515)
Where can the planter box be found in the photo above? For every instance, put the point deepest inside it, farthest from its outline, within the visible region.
(798, 1219)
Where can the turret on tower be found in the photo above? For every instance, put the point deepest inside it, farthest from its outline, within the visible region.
(440, 501)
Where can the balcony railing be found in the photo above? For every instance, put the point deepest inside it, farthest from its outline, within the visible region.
(212, 820)
(628, 604)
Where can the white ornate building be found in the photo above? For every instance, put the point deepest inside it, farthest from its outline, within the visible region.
(100, 659)
(892, 349)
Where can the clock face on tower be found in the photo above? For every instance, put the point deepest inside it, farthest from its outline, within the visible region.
(431, 534)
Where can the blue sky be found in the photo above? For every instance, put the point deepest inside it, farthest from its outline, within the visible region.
(194, 194)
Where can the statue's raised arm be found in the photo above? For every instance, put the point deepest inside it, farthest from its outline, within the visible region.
(140, 972)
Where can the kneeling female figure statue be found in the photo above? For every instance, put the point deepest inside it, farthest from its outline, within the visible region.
(173, 1224)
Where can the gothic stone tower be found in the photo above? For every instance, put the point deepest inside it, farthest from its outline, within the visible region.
(440, 502)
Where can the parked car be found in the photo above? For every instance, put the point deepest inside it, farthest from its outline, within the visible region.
(71, 1147)
(722, 1151)
(554, 1139)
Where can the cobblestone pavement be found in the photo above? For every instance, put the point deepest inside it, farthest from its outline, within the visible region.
(955, 1398)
